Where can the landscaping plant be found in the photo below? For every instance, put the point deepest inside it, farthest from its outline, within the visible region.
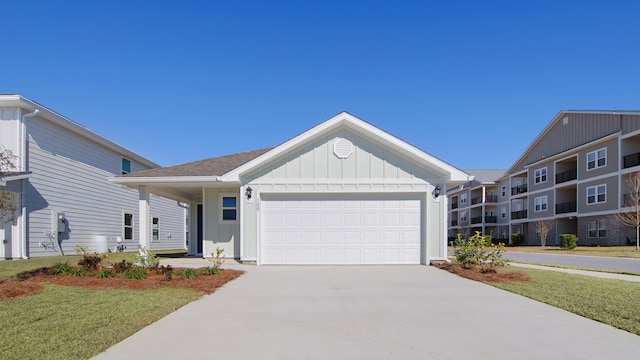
(478, 253)
(146, 258)
(88, 261)
(568, 241)
(217, 260)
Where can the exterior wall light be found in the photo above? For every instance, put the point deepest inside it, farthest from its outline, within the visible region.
(248, 192)
(436, 192)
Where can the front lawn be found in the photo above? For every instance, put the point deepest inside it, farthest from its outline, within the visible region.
(613, 302)
(608, 251)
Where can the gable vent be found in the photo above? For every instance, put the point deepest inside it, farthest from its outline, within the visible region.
(343, 148)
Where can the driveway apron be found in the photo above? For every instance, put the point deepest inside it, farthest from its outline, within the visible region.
(370, 312)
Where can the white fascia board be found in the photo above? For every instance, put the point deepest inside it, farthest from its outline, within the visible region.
(66, 123)
(453, 175)
(164, 180)
(7, 178)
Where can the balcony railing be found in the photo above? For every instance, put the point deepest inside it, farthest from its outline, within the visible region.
(476, 220)
(487, 199)
(566, 176)
(522, 214)
(519, 189)
(476, 200)
(454, 222)
(490, 219)
(566, 207)
(454, 205)
(631, 160)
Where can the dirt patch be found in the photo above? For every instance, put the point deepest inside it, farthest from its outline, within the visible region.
(488, 277)
(30, 282)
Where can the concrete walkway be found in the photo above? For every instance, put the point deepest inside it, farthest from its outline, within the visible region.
(604, 275)
(370, 312)
(590, 262)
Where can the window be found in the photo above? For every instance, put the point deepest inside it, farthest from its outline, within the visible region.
(596, 194)
(229, 211)
(504, 191)
(126, 166)
(596, 159)
(503, 212)
(597, 229)
(540, 175)
(155, 228)
(463, 198)
(540, 203)
(128, 226)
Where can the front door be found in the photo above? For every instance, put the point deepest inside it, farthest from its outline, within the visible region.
(199, 231)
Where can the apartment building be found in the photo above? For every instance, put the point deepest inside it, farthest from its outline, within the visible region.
(573, 175)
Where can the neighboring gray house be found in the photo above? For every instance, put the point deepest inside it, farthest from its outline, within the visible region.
(62, 188)
(343, 192)
(573, 175)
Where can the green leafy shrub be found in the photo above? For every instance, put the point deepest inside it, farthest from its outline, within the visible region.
(80, 272)
(478, 253)
(89, 261)
(146, 258)
(211, 270)
(568, 241)
(517, 239)
(167, 271)
(136, 273)
(61, 268)
(186, 273)
(123, 266)
(105, 273)
(217, 259)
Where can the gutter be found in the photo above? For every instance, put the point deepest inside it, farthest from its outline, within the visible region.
(23, 192)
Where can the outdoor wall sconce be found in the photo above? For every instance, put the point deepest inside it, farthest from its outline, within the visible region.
(436, 192)
(248, 192)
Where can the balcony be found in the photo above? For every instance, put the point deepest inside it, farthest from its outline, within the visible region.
(491, 198)
(476, 220)
(519, 189)
(631, 160)
(566, 176)
(454, 222)
(490, 219)
(522, 214)
(566, 207)
(454, 205)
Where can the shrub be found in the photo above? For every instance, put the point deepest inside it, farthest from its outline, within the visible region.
(167, 271)
(479, 253)
(186, 273)
(91, 261)
(217, 259)
(80, 272)
(211, 270)
(136, 273)
(568, 241)
(517, 239)
(61, 268)
(146, 258)
(122, 266)
(105, 273)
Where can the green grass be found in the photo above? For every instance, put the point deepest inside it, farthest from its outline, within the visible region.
(579, 268)
(13, 267)
(613, 302)
(74, 323)
(609, 251)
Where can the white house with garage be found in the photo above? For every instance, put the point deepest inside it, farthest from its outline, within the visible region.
(343, 192)
(62, 194)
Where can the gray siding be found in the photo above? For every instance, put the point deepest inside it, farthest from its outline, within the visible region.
(70, 174)
(612, 165)
(549, 183)
(611, 200)
(533, 214)
(630, 123)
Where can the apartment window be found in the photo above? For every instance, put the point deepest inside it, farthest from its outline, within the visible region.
(229, 210)
(503, 212)
(463, 217)
(540, 175)
(540, 203)
(463, 198)
(596, 159)
(504, 191)
(126, 166)
(155, 228)
(128, 226)
(596, 194)
(597, 229)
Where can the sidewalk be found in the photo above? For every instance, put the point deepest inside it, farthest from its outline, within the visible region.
(598, 274)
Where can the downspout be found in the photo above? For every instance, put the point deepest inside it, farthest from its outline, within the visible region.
(23, 192)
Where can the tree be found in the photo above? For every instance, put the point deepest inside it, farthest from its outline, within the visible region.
(8, 205)
(630, 215)
(543, 227)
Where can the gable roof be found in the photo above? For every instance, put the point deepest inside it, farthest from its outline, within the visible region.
(486, 176)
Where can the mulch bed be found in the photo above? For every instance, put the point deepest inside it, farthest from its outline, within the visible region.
(488, 277)
(30, 282)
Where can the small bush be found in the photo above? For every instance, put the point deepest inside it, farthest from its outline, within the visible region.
(91, 261)
(103, 274)
(517, 239)
(211, 270)
(61, 268)
(123, 266)
(479, 253)
(568, 241)
(146, 258)
(136, 273)
(80, 272)
(186, 273)
(167, 271)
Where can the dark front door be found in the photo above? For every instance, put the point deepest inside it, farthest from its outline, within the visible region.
(199, 231)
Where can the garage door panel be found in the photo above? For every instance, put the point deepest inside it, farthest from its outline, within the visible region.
(356, 230)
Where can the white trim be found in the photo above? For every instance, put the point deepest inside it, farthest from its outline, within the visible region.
(544, 200)
(595, 152)
(197, 181)
(546, 175)
(338, 181)
(221, 208)
(596, 194)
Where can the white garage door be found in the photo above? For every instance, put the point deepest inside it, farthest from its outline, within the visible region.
(371, 229)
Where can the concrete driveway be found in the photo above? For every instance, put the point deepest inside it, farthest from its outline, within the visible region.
(370, 312)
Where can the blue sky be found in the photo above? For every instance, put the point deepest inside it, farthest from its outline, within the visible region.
(472, 83)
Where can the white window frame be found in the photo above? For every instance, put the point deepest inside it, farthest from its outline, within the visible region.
(540, 175)
(596, 226)
(503, 212)
(596, 159)
(222, 208)
(463, 198)
(503, 191)
(155, 228)
(541, 203)
(125, 171)
(125, 226)
(596, 194)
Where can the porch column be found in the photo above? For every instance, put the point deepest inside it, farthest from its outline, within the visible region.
(145, 213)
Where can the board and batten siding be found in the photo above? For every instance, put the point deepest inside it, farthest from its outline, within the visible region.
(217, 234)
(10, 132)
(371, 168)
(70, 175)
(578, 130)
